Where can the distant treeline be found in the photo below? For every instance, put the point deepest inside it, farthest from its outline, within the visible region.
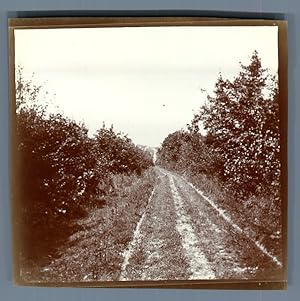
(61, 170)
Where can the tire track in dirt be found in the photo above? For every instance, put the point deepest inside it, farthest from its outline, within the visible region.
(199, 267)
(136, 239)
(156, 253)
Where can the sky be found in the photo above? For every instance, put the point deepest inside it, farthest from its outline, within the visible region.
(146, 81)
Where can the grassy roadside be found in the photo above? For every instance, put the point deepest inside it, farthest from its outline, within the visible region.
(259, 217)
(94, 251)
(233, 256)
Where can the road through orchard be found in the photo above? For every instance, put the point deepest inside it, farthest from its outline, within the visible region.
(184, 235)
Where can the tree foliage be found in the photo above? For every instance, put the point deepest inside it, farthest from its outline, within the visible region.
(118, 154)
(242, 124)
(61, 170)
(241, 144)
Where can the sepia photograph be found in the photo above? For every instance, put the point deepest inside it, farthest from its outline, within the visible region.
(146, 154)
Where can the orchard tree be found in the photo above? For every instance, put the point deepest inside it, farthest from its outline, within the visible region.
(242, 124)
(116, 153)
(55, 167)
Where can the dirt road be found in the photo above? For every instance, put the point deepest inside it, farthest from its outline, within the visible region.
(184, 235)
